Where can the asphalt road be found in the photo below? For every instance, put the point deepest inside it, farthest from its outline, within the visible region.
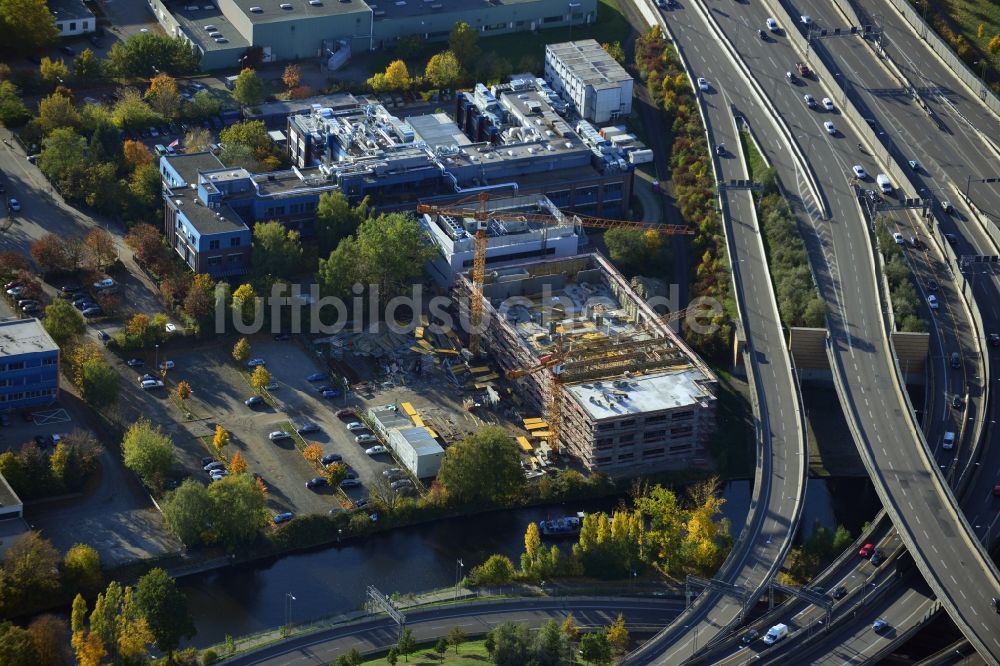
(772, 523)
(474, 619)
(904, 476)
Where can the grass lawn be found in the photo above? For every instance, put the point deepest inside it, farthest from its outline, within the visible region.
(755, 162)
(469, 654)
(969, 15)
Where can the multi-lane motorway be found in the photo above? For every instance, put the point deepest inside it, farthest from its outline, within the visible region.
(847, 279)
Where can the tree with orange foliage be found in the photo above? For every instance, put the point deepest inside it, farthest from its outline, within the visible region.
(136, 153)
(292, 76)
(313, 452)
(183, 391)
(237, 465)
(101, 246)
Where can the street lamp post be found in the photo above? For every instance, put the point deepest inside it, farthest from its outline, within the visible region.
(289, 598)
(459, 566)
(157, 361)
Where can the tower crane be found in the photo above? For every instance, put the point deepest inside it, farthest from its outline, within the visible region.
(482, 215)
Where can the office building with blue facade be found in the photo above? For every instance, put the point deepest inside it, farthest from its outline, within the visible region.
(29, 365)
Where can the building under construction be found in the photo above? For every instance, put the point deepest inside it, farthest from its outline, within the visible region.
(626, 392)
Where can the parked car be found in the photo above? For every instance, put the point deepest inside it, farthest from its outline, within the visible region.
(376, 450)
(345, 413)
(316, 377)
(106, 283)
(273, 386)
(167, 365)
(135, 363)
(84, 304)
(316, 482)
(279, 435)
(331, 458)
(350, 483)
(330, 394)
(307, 427)
(932, 302)
(103, 336)
(355, 426)
(254, 362)
(32, 309)
(366, 438)
(13, 204)
(254, 401)
(70, 288)
(215, 464)
(391, 471)
(402, 483)
(92, 312)
(15, 291)
(283, 517)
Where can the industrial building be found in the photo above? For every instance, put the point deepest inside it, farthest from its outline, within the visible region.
(509, 241)
(330, 30)
(508, 140)
(586, 74)
(29, 365)
(72, 17)
(635, 399)
(415, 446)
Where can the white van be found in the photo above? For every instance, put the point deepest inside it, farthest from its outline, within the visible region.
(883, 183)
(775, 634)
(948, 441)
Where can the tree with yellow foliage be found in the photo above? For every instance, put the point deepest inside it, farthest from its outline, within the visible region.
(395, 77)
(245, 302)
(260, 377)
(618, 635)
(220, 440)
(241, 350)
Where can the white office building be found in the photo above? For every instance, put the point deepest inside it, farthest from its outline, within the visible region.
(587, 75)
(72, 17)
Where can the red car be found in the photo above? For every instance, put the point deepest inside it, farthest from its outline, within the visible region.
(344, 413)
(996, 491)
(866, 550)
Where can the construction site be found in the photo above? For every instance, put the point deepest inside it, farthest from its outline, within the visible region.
(619, 390)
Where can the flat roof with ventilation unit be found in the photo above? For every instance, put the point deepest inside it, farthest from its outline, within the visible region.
(394, 9)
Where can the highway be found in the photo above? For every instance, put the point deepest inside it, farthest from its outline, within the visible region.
(870, 396)
(780, 486)
(475, 619)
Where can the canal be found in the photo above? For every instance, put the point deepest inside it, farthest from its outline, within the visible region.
(250, 598)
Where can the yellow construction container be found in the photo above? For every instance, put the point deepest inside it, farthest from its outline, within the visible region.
(446, 352)
(417, 421)
(541, 434)
(418, 332)
(480, 370)
(525, 444)
(408, 409)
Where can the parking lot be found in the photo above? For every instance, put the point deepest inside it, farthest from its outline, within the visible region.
(220, 388)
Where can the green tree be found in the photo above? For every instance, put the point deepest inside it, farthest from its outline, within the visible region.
(443, 69)
(100, 383)
(441, 646)
(188, 512)
(13, 112)
(616, 51)
(63, 322)
(277, 251)
(456, 637)
(595, 648)
(388, 252)
(550, 645)
(667, 521)
(16, 646)
(81, 568)
(53, 72)
(118, 622)
(148, 451)
(131, 112)
(485, 467)
(165, 609)
(26, 25)
(145, 54)
(67, 466)
(249, 88)
(336, 219)
(393, 656)
(30, 567)
(57, 111)
(407, 643)
(509, 644)
(241, 350)
(202, 105)
(197, 140)
(246, 144)
(635, 251)
(496, 570)
(86, 67)
(464, 43)
(238, 510)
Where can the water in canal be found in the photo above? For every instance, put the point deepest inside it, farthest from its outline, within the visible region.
(246, 599)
